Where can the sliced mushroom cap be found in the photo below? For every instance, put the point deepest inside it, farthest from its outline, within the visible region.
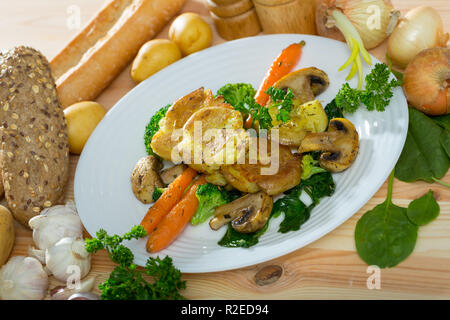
(247, 214)
(305, 83)
(170, 174)
(339, 145)
(145, 178)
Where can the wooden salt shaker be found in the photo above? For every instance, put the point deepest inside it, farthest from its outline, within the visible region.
(286, 16)
(234, 19)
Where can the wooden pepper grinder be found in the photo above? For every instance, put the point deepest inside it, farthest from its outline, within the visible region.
(234, 19)
(286, 16)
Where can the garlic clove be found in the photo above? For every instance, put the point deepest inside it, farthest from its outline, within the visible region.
(36, 253)
(68, 258)
(23, 278)
(55, 223)
(63, 293)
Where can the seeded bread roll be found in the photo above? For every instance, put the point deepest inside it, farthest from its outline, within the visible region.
(34, 144)
(1, 184)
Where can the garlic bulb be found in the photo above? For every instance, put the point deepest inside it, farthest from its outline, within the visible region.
(68, 257)
(23, 278)
(55, 223)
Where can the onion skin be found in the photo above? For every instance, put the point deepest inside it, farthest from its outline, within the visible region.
(321, 20)
(356, 12)
(420, 29)
(426, 81)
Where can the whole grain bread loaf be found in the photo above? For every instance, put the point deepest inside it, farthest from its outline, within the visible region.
(34, 144)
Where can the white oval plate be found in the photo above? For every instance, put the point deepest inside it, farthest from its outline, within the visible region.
(102, 182)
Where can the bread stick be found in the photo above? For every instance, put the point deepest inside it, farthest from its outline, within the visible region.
(89, 63)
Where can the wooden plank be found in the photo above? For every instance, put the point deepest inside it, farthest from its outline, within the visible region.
(329, 268)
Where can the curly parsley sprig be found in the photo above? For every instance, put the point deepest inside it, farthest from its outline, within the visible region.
(376, 95)
(127, 281)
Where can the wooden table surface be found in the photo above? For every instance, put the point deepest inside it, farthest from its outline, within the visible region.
(329, 268)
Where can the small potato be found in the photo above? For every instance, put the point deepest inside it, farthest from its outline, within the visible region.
(191, 33)
(82, 118)
(6, 234)
(152, 57)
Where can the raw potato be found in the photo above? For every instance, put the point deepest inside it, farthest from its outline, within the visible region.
(152, 57)
(191, 33)
(6, 234)
(82, 118)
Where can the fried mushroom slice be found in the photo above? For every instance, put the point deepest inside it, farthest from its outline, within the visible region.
(247, 214)
(170, 174)
(339, 145)
(145, 178)
(305, 83)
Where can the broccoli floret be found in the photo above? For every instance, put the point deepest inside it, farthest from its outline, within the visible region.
(157, 193)
(209, 197)
(153, 127)
(237, 94)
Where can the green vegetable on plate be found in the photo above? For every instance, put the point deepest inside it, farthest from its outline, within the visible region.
(376, 95)
(153, 127)
(209, 197)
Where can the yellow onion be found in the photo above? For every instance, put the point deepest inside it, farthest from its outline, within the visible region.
(373, 19)
(420, 29)
(426, 81)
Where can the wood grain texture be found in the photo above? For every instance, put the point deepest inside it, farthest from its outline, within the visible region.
(328, 268)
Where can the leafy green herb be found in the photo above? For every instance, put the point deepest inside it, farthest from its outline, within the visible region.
(283, 101)
(445, 141)
(423, 156)
(333, 111)
(153, 127)
(384, 236)
(209, 198)
(309, 167)
(241, 97)
(376, 95)
(319, 186)
(423, 210)
(126, 281)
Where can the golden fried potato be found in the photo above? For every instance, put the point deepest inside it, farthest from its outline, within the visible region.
(211, 124)
(249, 177)
(306, 118)
(177, 115)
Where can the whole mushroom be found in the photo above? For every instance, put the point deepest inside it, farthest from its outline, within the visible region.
(339, 145)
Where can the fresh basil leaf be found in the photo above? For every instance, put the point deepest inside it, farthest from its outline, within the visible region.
(423, 210)
(423, 157)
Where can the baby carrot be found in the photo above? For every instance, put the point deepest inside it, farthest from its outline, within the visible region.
(170, 197)
(176, 220)
(281, 66)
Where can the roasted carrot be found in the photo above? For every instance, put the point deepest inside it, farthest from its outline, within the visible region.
(281, 66)
(170, 197)
(176, 220)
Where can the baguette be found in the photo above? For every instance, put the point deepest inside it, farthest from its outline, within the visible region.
(90, 62)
